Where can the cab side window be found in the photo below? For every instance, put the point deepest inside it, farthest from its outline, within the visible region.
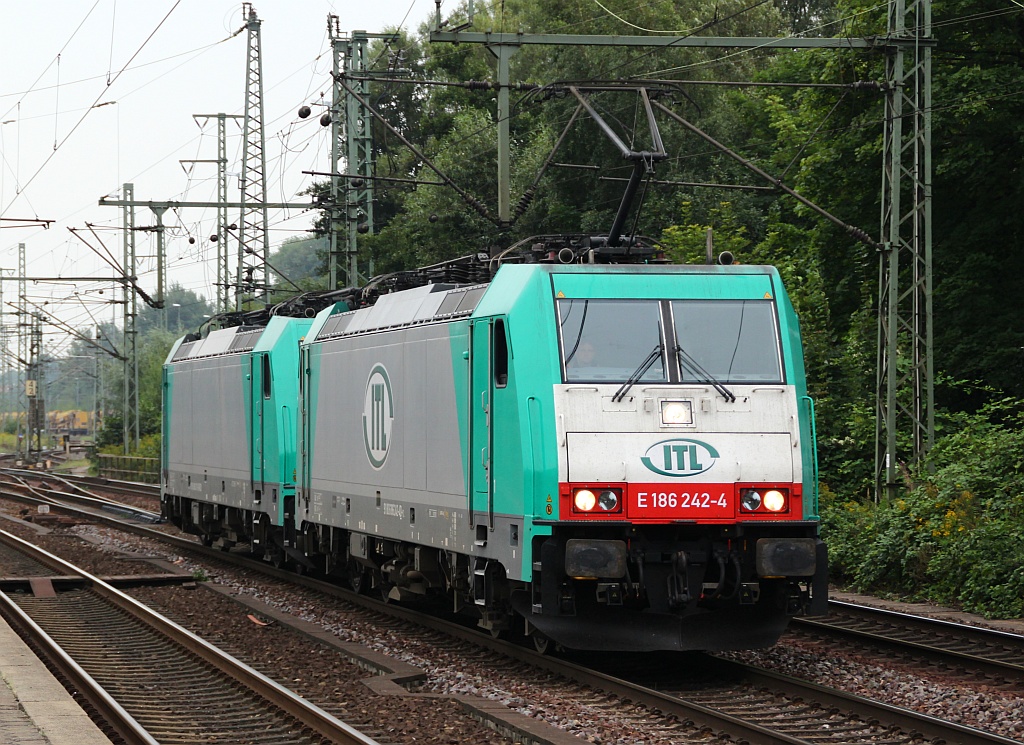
(500, 350)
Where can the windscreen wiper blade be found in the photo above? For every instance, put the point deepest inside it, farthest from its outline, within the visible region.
(637, 374)
(691, 365)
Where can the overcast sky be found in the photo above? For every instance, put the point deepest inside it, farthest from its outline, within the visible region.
(96, 93)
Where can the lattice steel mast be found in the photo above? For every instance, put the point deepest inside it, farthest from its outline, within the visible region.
(130, 388)
(906, 390)
(220, 238)
(351, 209)
(22, 329)
(253, 232)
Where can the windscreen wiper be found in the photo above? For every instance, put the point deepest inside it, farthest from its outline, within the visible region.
(638, 373)
(691, 365)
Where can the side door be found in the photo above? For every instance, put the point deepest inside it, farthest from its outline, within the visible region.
(261, 381)
(304, 452)
(481, 448)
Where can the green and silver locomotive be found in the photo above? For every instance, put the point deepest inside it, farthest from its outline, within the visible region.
(602, 456)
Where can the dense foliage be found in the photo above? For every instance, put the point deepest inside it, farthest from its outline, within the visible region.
(955, 535)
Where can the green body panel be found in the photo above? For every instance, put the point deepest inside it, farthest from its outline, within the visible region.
(792, 348)
(524, 453)
(271, 413)
(309, 370)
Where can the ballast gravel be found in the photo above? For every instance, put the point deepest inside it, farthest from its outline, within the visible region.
(555, 701)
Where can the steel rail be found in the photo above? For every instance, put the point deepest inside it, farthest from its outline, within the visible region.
(308, 714)
(85, 499)
(102, 482)
(112, 712)
(888, 639)
(932, 728)
(911, 721)
(739, 729)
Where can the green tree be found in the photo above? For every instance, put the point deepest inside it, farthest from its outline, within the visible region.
(301, 262)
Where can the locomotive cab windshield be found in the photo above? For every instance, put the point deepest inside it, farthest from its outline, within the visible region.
(716, 341)
(604, 340)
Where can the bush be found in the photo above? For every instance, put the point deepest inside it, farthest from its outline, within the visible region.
(957, 537)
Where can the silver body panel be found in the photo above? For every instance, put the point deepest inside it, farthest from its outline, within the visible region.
(208, 452)
(756, 436)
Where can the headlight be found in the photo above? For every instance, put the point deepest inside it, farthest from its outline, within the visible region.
(585, 500)
(774, 500)
(676, 413)
(595, 499)
(608, 500)
(764, 500)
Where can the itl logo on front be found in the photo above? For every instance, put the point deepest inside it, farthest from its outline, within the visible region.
(378, 416)
(679, 458)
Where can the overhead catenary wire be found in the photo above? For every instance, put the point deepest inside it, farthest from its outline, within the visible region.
(57, 146)
(320, 134)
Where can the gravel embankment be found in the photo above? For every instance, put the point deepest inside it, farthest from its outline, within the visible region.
(450, 671)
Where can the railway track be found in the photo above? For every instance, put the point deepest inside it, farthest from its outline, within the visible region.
(145, 674)
(36, 489)
(751, 704)
(101, 483)
(997, 656)
(993, 654)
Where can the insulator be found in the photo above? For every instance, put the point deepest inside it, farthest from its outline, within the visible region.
(524, 201)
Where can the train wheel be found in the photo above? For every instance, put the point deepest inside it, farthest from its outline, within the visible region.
(540, 642)
(358, 578)
(384, 586)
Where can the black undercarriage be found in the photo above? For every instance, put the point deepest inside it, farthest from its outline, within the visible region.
(607, 587)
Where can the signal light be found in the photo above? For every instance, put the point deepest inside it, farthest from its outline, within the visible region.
(608, 500)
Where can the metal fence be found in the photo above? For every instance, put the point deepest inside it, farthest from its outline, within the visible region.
(129, 468)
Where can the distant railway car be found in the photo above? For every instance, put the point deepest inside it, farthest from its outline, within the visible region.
(229, 405)
(608, 457)
(71, 423)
